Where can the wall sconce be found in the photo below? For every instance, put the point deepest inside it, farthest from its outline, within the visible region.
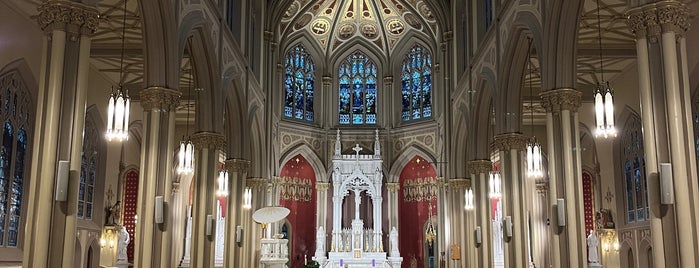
(609, 240)
(103, 242)
(108, 238)
(247, 198)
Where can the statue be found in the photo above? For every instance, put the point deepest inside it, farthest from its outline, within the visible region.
(122, 244)
(393, 237)
(592, 248)
(113, 214)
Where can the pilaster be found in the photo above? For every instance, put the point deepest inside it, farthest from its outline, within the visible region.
(237, 173)
(479, 170)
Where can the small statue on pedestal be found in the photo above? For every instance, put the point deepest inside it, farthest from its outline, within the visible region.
(122, 245)
(592, 248)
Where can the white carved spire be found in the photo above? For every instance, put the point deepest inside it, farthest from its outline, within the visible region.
(338, 145)
(377, 145)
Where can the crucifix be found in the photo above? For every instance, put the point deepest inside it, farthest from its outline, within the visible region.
(357, 149)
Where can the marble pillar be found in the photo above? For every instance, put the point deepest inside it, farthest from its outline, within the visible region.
(480, 170)
(237, 174)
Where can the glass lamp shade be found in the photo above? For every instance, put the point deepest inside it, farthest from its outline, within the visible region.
(222, 183)
(247, 198)
(468, 199)
(186, 158)
(534, 166)
(604, 111)
(495, 191)
(118, 116)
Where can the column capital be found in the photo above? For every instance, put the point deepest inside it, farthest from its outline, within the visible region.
(175, 188)
(237, 165)
(388, 79)
(510, 141)
(479, 166)
(441, 182)
(159, 99)
(256, 183)
(556, 100)
(327, 80)
(210, 140)
(458, 184)
(68, 16)
(322, 186)
(663, 16)
(542, 187)
(392, 186)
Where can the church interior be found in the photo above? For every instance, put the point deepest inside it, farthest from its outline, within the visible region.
(349, 133)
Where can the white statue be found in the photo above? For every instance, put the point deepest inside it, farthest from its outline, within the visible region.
(393, 237)
(122, 244)
(320, 240)
(592, 248)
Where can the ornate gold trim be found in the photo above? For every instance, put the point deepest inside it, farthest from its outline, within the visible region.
(556, 100)
(237, 165)
(479, 166)
(58, 15)
(210, 140)
(159, 98)
(510, 141)
(322, 186)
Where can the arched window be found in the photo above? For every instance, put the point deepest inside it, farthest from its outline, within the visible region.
(299, 77)
(635, 186)
(357, 76)
(14, 113)
(88, 170)
(695, 119)
(416, 84)
(488, 13)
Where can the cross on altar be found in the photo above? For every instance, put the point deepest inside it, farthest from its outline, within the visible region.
(357, 149)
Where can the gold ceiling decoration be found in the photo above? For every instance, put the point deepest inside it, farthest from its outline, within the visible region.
(333, 22)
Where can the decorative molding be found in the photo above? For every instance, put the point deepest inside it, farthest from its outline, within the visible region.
(295, 189)
(322, 186)
(237, 165)
(289, 138)
(425, 137)
(459, 184)
(510, 141)
(159, 99)
(479, 166)
(256, 183)
(542, 187)
(393, 186)
(209, 140)
(664, 16)
(67, 16)
(421, 189)
(556, 100)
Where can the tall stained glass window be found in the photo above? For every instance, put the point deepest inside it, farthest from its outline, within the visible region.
(634, 164)
(488, 13)
(416, 84)
(14, 147)
(357, 76)
(88, 170)
(299, 78)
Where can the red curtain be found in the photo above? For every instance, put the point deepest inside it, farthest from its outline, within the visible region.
(130, 201)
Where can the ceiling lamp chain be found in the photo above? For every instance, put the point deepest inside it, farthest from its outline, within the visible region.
(603, 95)
(534, 165)
(119, 102)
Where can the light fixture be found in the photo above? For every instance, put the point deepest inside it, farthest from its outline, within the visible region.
(247, 198)
(533, 147)
(222, 183)
(186, 153)
(430, 232)
(495, 184)
(468, 199)
(119, 103)
(103, 242)
(603, 95)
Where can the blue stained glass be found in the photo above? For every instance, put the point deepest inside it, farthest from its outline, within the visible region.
(416, 84)
(636, 190)
(17, 189)
(5, 166)
(357, 95)
(7, 101)
(298, 84)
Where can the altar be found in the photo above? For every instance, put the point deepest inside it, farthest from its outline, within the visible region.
(357, 245)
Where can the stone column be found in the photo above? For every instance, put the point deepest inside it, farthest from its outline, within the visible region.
(480, 170)
(50, 231)
(563, 104)
(251, 230)
(539, 216)
(444, 228)
(327, 118)
(464, 224)
(511, 147)
(391, 117)
(237, 173)
(155, 177)
(322, 204)
(392, 209)
(666, 112)
(207, 146)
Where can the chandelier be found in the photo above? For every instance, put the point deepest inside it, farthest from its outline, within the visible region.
(604, 96)
(186, 154)
(119, 102)
(534, 166)
(430, 232)
(468, 197)
(495, 184)
(222, 183)
(247, 198)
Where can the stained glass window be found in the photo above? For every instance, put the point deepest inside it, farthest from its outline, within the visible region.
(416, 84)
(88, 170)
(299, 79)
(488, 13)
(13, 151)
(635, 185)
(357, 77)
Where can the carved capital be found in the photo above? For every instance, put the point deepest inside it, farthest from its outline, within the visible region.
(256, 183)
(637, 24)
(159, 99)
(209, 140)
(441, 182)
(510, 141)
(392, 186)
(388, 79)
(327, 80)
(542, 187)
(322, 186)
(237, 165)
(459, 184)
(662, 16)
(673, 17)
(556, 100)
(66, 15)
(479, 166)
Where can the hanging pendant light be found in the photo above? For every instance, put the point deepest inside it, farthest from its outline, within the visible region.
(468, 199)
(603, 95)
(119, 103)
(222, 183)
(186, 154)
(534, 166)
(494, 183)
(247, 198)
